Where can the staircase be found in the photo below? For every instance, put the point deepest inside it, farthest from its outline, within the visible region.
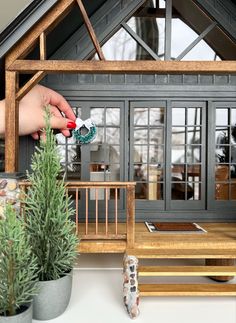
(220, 266)
(199, 289)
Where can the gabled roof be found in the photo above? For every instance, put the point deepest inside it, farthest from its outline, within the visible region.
(73, 21)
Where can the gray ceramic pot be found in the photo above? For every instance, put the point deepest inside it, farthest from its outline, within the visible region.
(25, 317)
(53, 298)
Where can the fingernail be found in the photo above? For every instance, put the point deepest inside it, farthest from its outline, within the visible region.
(71, 125)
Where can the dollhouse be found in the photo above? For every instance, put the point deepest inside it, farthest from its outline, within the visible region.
(158, 78)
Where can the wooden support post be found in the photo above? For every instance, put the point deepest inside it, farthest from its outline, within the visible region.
(11, 123)
(130, 217)
(91, 30)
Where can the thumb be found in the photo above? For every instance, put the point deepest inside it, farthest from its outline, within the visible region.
(62, 123)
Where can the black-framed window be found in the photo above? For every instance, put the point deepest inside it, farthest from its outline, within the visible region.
(167, 154)
(169, 147)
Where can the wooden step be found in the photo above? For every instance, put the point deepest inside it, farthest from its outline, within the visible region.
(146, 271)
(187, 289)
(182, 253)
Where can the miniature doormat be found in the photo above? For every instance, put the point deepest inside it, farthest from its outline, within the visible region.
(130, 287)
(174, 227)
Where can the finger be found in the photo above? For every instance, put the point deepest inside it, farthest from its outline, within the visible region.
(35, 136)
(57, 122)
(58, 100)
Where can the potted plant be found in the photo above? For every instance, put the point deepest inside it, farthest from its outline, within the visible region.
(18, 269)
(53, 238)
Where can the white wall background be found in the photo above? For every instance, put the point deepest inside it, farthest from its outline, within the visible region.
(9, 9)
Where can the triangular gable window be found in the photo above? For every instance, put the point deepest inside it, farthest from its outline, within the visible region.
(150, 34)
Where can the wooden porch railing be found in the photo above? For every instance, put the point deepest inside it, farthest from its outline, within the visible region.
(94, 224)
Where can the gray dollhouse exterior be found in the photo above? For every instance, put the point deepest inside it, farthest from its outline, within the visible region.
(171, 133)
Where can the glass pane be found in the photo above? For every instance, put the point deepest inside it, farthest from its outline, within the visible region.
(194, 154)
(182, 191)
(178, 136)
(74, 171)
(97, 116)
(155, 173)
(156, 116)
(222, 117)
(221, 173)
(156, 154)
(222, 154)
(178, 116)
(156, 136)
(100, 153)
(155, 191)
(140, 154)
(113, 136)
(100, 173)
(194, 116)
(194, 172)
(233, 117)
(178, 154)
(140, 172)
(222, 135)
(178, 172)
(141, 191)
(233, 170)
(140, 116)
(113, 116)
(100, 135)
(222, 191)
(196, 190)
(140, 135)
(194, 135)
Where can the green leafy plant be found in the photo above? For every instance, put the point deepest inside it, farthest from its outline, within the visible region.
(18, 265)
(49, 211)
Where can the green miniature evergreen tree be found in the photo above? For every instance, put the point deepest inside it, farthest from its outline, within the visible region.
(48, 211)
(18, 265)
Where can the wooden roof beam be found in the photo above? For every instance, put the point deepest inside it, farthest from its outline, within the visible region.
(128, 67)
(91, 30)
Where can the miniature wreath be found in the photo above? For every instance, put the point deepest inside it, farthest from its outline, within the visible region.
(89, 136)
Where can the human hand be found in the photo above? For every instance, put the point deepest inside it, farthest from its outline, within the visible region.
(32, 112)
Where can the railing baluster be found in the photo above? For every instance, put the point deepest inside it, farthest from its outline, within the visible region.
(77, 210)
(116, 212)
(96, 198)
(86, 211)
(106, 210)
(93, 232)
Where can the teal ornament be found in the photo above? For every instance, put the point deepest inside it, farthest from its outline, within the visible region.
(89, 136)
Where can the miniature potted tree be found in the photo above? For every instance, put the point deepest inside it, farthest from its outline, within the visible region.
(53, 238)
(18, 270)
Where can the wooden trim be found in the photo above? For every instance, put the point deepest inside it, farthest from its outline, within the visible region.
(150, 271)
(11, 123)
(116, 67)
(59, 10)
(91, 30)
(197, 253)
(187, 290)
(30, 84)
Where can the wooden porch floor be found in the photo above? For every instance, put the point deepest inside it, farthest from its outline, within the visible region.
(218, 242)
